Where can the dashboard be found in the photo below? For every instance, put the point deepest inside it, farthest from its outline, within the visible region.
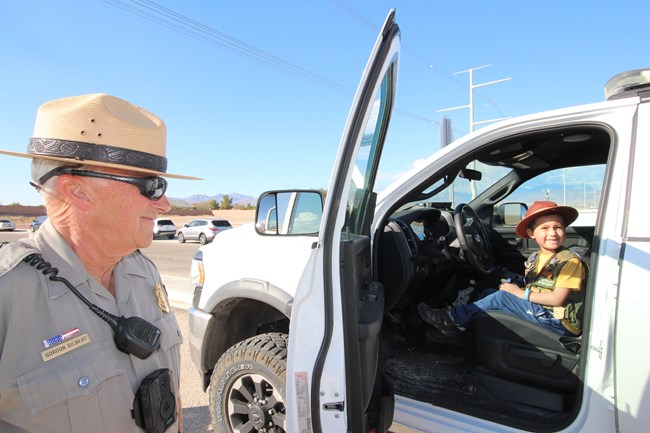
(415, 254)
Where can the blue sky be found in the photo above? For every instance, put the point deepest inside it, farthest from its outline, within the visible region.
(271, 116)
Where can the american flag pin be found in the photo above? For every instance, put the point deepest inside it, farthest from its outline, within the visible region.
(59, 338)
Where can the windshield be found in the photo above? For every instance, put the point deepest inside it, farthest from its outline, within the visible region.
(579, 187)
(465, 190)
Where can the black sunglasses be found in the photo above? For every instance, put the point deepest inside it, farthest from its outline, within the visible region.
(151, 187)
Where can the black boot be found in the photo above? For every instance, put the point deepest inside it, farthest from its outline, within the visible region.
(440, 319)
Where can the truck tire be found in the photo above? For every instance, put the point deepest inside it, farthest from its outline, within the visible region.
(248, 386)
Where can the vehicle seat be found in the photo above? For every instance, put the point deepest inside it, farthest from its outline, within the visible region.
(513, 347)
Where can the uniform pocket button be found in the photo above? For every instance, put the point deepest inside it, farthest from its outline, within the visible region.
(84, 381)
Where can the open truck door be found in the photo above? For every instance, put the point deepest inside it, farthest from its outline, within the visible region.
(333, 382)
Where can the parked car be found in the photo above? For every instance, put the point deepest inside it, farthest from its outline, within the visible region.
(164, 227)
(36, 224)
(320, 332)
(7, 225)
(202, 230)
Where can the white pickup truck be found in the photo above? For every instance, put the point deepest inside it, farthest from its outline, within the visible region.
(306, 321)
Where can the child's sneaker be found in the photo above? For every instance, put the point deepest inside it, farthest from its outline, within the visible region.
(438, 318)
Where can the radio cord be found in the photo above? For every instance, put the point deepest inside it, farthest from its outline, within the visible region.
(51, 272)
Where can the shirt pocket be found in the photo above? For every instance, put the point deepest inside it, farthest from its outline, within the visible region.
(86, 390)
(171, 333)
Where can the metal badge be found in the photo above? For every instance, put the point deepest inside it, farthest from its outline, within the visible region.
(161, 295)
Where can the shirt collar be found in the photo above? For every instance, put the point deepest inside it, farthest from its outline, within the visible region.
(56, 250)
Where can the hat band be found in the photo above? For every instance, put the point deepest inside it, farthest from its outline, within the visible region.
(79, 151)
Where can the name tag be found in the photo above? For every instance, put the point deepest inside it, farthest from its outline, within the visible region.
(65, 347)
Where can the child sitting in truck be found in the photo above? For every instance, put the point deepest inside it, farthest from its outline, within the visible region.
(554, 277)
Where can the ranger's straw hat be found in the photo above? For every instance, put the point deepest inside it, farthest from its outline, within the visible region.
(100, 130)
(541, 208)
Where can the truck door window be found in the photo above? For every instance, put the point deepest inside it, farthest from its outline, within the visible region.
(367, 160)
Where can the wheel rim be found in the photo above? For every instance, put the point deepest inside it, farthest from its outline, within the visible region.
(254, 405)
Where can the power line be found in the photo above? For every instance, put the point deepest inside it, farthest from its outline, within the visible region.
(366, 22)
(153, 12)
(182, 24)
(359, 17)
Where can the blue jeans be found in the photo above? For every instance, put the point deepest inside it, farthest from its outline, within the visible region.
(498, 300)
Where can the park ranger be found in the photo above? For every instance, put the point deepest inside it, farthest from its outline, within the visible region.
(87, 339)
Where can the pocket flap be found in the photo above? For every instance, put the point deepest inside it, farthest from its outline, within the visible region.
(72, 375)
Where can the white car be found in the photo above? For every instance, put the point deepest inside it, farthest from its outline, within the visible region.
(294, 330)
(164, 227)
(7, 225)
(203, 230)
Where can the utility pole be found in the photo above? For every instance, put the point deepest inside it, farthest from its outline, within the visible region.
(472, 123)
(446, 138)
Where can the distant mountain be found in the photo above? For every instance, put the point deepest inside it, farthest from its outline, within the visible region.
(237, 199)
(179, 202)
(197, 198)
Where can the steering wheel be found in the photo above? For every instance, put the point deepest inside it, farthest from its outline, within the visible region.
(473, 239)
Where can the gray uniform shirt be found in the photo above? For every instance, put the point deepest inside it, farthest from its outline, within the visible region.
(81, 382)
